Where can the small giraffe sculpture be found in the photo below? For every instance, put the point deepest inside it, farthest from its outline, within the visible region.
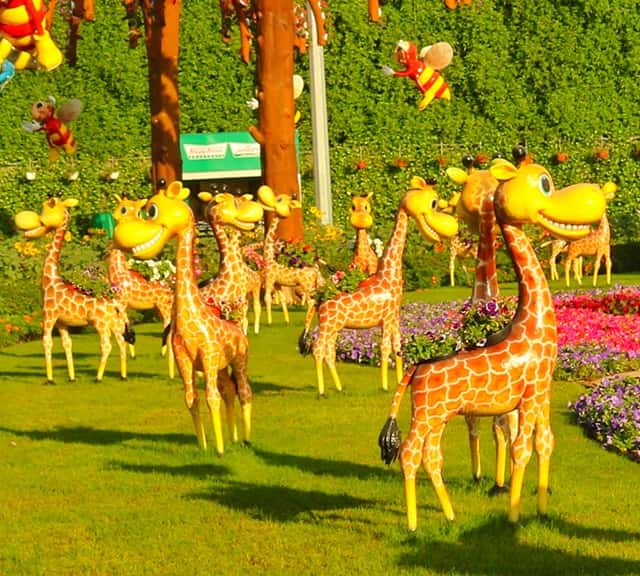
(230, 287)
(459, 248)
(306, 280)
(474, 205)
(364, 256)
(377, 301)
(597, 244)
(513, 374)
(201, 340)
(557, 247)
(63, 304)
(132, 287)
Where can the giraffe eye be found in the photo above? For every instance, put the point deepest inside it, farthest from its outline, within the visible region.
(123, 211)
(545, 185)
(434, 204)
(152, 211)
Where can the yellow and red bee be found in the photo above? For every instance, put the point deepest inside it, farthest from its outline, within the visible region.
(24, 27)
(45, 118)
(423, 68)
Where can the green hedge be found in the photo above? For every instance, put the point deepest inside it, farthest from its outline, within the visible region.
(554, 75)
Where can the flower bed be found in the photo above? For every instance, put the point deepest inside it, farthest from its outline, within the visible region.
(610, 413)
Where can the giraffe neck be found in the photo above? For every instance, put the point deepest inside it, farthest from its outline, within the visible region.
(269, 250)
(535, 307)
(362, 243)
(187, 300)
(391, 264)
(229, 247)
(485, 285)
(50, 271)
(604, 232)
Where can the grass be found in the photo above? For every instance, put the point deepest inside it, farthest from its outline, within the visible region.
(108, 479)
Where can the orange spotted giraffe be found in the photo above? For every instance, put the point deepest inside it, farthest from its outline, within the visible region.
(274, 274)
(377, 301)
(557, 248)
(364, 256)
(201, 340)
(65, 305)
(459, 248)
(231, 285)
(475, 206)
(597, 244)
(132, 287)
(513, 374)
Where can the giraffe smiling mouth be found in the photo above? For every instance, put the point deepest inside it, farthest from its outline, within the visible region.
(149, 244)
(564, 229)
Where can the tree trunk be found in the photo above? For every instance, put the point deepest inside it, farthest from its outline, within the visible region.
(276, 132)
(162, 38)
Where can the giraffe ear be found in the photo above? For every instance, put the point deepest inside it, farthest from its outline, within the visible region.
(118, 198)
(205, 196)
(175, 190)
(417, 183)
(295, 204)
(266, 196)
(503, 170)
(71, 202)
(457, 175)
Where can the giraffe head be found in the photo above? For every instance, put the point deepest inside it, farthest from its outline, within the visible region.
(240, 212)
(360, 212)
(527, 195)
(476, 184)
(281, 204)
(421, 203)
(54, 214)
(167, 216)
(127, 208)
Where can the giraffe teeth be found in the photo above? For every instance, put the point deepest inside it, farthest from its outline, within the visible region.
(563, 225)
(148, 244)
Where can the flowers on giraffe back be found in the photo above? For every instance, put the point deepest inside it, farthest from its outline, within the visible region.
(297, 255)
(348, 280)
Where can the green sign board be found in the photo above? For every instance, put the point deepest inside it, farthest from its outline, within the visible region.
(220, 155)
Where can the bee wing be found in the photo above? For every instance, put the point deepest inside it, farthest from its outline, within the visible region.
(70, 110)
(438, 55)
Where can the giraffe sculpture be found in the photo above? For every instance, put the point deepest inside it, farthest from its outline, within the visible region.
(474, 205)
(63, 304)
(133, 288)
(512, 374)
(377, 301)
(557, 247)
(306, 280)
(459, 248)
(201, 340)
(231, 286)
(364, 256)
(597, 244)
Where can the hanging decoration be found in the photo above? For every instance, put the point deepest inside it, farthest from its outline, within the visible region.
(423, 68)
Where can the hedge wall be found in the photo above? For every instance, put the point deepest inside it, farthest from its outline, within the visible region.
(557, 75)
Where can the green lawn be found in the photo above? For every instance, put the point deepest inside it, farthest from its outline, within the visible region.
(108, 479)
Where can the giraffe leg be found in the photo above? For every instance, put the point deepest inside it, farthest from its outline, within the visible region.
(521, 453)
(452, 270)
(501, 433)
(410, 462)
(285, 310)
(105, 350)
(385, 350)
(257, 311)
(188, 374)
(544, 447)
(432, 461)
(239, 373)
(331, 363)
(396, 344)
(47, 345)
(227, 390)
(474, 445)
(122, 345)
(68, 352)
(267, 303)
(608, 267)
(213, 403)
(567, 272)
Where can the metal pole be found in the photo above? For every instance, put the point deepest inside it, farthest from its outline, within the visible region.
(320, 134)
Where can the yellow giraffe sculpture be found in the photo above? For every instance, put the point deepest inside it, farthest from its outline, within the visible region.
(364, 256)
(275, 275)
(201, 340)
(377, 301)
(597, 244)
(63, 304)
(228, 220)
(132, 287)
(512, 374)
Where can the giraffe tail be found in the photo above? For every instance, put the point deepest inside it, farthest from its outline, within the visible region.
(306, 338)
(389, 441)
(129, 334)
